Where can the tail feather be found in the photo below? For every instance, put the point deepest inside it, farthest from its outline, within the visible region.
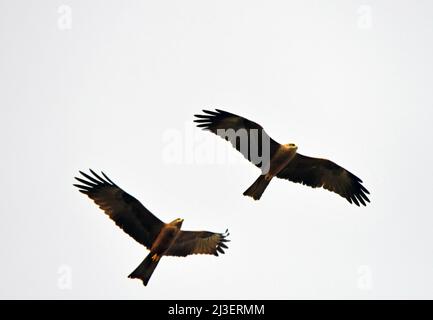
(257, 188)
(145, 269)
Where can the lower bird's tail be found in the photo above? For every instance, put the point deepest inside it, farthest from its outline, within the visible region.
(145, 269)
(257, 188)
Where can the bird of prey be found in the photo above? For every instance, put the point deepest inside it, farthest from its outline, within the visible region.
(280, 160)
(162, 239)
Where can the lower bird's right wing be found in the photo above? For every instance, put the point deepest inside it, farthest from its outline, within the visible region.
(198, 242)
(126, 211)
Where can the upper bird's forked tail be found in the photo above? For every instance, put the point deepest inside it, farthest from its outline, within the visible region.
(145, 270)
(257, 188)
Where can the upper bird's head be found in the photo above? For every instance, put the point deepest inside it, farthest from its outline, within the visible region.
(291, 146)
(177, 222)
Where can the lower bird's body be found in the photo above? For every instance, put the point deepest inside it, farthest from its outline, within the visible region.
(279, 160)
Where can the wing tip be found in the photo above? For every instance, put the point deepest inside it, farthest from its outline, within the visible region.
(221, 243)
(91, 182)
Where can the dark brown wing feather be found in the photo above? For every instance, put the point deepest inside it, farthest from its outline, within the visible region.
(126, 211)
(220, 121)
(316, 172)
(198, 242)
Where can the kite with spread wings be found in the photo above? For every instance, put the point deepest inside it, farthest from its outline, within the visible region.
(162, 239)
(280, 160)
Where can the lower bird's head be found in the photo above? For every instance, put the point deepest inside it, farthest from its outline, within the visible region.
(177, 222)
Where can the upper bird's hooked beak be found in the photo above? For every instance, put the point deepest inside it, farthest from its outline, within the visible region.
(179, 222)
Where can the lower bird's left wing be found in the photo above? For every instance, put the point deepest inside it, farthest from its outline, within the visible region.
(316, 172)
(126, 211)
(198, 242)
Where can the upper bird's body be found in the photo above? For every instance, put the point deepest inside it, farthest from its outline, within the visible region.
(280, 160)
(162, 239)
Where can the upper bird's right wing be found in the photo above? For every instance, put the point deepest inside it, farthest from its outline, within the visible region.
(316, 173)
(246, 136)
(126, 211)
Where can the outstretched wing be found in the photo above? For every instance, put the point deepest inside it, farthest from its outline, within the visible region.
(198, 242)
(316, 172)
(248, 137)
(126, 211)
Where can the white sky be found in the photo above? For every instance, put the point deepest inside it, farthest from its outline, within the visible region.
(347, 80)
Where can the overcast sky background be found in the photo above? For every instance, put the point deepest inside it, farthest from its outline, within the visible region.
(113, 86)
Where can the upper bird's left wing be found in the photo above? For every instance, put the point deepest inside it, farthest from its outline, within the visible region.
(316, 172)
(126, 211)
(198, 242)
(248, 137)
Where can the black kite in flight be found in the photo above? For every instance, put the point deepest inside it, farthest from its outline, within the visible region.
(280, 160)
(160, 238)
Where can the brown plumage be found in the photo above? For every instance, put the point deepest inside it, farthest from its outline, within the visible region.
(160, 238)
(280, 160)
